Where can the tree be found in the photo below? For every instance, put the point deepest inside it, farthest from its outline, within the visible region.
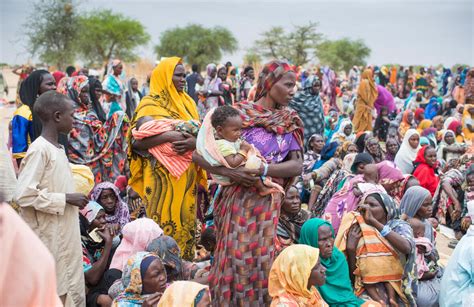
(106, 35)
(52, 31)
(196, 44)
(252, 57)
(343, 54)
(297, 46)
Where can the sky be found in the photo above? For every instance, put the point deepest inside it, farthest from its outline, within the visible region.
(424, 32)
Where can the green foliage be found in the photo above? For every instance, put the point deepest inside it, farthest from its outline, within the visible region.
(342, 54)
(52, 31)
(196, 44)
(296, 46)
(252, 57)
(105, 35)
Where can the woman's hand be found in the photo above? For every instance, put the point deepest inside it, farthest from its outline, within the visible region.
(152, 300)
(241, 176)
(353, 237)
(367, 214)
(107, 233)
(185, 145)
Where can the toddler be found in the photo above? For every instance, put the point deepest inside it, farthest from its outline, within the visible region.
(423, 247)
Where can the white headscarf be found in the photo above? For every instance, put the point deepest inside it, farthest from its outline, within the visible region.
(340, 132)
(443, 143)
(406, 155)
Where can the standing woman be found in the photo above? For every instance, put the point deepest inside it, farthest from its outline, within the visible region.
(132, 97)
(100, 146)
(246, 222)
(407, 153)
(364, 105)
(114, 89)
(26, 126)
(170, 201)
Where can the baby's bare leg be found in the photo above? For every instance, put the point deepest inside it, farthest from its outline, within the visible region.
(392, 295)
(373, 293)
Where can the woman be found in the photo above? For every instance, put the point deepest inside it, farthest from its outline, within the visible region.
(419, 116)
(170, 201)
(292, 217)
(211, 89)
(143, 281)
(426, 168)
(424, 124)
(468, 120)
(456, 127)
(378, 223)
(417, 203)
(26, 126)
(384, 99)
(364, 105)
(114, 89)
(186, 294)
(433, 107)
(100, 146)
(136, 236)
(95, 92)
(277, 132)
(308, 104)
(246, 83)
(107, 195)
(337, 291)
(392, 146)
(313, 154)
(407, 153)
(448, 149)
(132, 97)
(372, 147)
(344, 133)
(407, 123)
(168, 251)
(293, 276)
(96, 255)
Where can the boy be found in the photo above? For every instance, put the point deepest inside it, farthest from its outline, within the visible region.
(44, 194)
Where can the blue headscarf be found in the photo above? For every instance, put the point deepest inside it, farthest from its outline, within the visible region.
(327, 153)
(432, 108)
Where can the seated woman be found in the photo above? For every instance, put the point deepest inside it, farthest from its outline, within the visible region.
(448, 148)
(108, 196)
(292, 217)
(372, 146)
(143, 281)
(417, 204)
(338, 289)
(426, 168)
(344, 133)
(97, 249)
(383, 276)
(408, 150)
(293, 276)
(313, 153)
(392, 147)
(186, 293)
(168, 250)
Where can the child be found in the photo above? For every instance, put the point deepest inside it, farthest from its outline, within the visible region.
(382, 124)
(175, 163)
(44, 194)
(423, 247)
(221, 145)
(371, 178)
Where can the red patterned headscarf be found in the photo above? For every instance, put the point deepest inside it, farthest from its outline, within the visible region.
(271, 73)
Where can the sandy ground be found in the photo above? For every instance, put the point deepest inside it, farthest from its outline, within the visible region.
(6, 113)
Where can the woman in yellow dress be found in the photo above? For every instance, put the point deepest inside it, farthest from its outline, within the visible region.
(170, 201)
(364, 106)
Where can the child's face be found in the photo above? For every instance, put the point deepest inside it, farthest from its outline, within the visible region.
(348, 130)
(384, 112)
(430, 156)
(470, 180)
(231, 130)
(65, 118)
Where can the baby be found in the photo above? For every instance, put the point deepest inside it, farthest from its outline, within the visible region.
(191, 126)
(227, 126)
(423, 247)
(371, 178)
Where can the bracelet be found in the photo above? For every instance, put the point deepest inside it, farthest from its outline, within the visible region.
(385, 231)
(243, 153)
(265, 171)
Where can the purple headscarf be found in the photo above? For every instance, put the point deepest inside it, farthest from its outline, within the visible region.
(384, 99)
(121, 215)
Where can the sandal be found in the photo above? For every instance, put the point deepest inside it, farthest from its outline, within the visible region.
(452, 244)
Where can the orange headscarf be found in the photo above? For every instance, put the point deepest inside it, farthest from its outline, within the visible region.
(364, 105)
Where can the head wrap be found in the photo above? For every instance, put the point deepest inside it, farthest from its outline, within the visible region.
(91, 210)
(83, 178)
(413, 199)
(145, 265)
(183, 294)
(168, 250)
(406, 154)
(271, 73)
(121, 215)
(95, 84)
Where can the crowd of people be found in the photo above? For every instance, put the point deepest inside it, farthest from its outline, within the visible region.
(235, 187)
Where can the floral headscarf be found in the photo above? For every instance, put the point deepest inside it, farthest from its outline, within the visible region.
(270, 74)
(168, 250)
(73, 87)
(121, 215)
(132, 283)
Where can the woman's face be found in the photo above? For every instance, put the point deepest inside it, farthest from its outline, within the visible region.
(292, 202)
(99, 221)
(325, 242)
(352, 149)
(222, 74)
(251, 74)
(155, 278)
(48, 83)
(205, 300)
(376, 208)
(373, 146)
(316, 87)
(213, 73)
(414, 141)
(84, 95)
(179, 77)
(284, 90)
(118, 70)
(318, 276)
(108, 200)
(459, 130)
(438, 124)
(410, 117)
(392, 147)
(348, 129)
(430, 156)
(470, 180)
(98, 92)
(317, 143)
(426, 209)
